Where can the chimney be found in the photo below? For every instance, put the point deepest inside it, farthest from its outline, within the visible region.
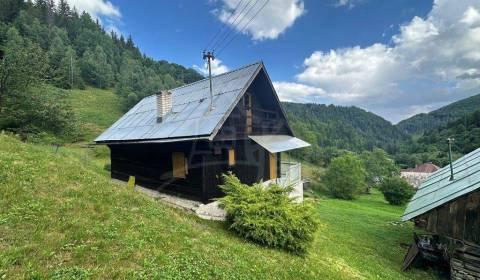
(164, 104)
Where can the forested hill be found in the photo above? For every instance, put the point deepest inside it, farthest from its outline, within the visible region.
(465, 131)
(424, 122)
(331, 129)
(45, 47)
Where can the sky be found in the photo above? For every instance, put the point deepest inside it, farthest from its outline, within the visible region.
(395, 58)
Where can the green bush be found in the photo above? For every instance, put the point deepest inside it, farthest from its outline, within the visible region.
(396, 190)
(346, 177)
(107, 167)
(267, 216)
(101, 151)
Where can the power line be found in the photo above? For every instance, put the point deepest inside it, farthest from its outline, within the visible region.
(223, 48)
(237, 27)
(240, 15)
(224, 24)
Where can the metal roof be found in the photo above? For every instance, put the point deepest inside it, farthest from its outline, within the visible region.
(438, 189)
(190, 117)
(278, 143)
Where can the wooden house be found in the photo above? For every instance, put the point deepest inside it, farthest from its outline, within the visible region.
(450, 211)
(181, 140)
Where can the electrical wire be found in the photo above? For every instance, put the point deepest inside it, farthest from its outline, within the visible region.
(243, 29)
(240, 15)
(237, 27)
(224, 25)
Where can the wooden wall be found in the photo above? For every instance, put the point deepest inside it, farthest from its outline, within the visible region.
(266, 113)
(151, 164)
(458, 219)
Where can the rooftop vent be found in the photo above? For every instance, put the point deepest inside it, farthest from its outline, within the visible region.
(164, 105)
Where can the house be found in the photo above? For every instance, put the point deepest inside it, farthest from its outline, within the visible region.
(416, 176)
(180, 141)
(450, 211)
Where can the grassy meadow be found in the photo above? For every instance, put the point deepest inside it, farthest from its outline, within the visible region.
(61, 217)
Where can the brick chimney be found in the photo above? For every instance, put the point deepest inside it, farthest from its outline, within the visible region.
(164, 104)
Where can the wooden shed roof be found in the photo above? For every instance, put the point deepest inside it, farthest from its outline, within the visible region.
(438, 189)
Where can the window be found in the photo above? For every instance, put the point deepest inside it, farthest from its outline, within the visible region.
(231, 157)
(272, 159)
(179, 165)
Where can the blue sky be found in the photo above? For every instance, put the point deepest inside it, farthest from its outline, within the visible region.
(394, 58)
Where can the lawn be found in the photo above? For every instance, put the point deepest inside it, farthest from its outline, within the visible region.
(96, 109)
(61, 217)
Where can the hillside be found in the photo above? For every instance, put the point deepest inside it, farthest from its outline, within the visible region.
(62, 218)
(46, 46)
(95, 110)
(332, 128)
(432, 145)
(424, 122)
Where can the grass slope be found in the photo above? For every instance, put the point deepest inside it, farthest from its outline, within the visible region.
(96, 110)
(61, 217)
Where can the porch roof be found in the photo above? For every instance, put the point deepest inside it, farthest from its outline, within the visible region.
(278, 143)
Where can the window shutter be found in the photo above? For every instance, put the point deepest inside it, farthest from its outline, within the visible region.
(272, 159)
(231, 157)
(179, 165)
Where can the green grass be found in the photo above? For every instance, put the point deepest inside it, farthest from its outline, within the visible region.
(96, 110)
(61, 217)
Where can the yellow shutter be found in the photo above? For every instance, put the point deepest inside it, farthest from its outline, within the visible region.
(231, 157)
(178, 163)
(272, 158)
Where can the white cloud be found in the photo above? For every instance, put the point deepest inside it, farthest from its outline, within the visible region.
(347, 3)
(217, 67)
(295, 92)
(96, 8)
(273, 20)
(99, 9)
(430, 62)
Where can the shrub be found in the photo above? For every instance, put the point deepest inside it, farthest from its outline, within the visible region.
(101, 151)
(107, 167)
(396, 190)
(346, 177)
(267, 216)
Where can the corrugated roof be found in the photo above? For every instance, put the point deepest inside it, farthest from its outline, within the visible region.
(438, 189)
(423, 168)
(278, 143)
(190, 117)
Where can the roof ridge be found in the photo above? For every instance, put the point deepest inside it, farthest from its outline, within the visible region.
(260, 62)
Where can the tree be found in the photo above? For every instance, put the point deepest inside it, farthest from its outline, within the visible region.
(10, 9)
(396, 190)
(346, 176)
(23, 65)
(95, 68)
(378, 166)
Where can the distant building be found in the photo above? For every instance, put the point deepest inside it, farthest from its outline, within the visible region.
(449, 210)
(416, 176)
(181, 141)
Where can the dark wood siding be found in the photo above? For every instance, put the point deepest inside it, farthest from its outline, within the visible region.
(458, 219)
(151, 164)
(267, 117)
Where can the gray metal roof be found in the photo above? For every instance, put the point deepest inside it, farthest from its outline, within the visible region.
(278, 143)
(438, 189)
(190, 117)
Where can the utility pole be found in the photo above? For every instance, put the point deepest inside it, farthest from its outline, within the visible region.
(209, 56)
(450, 141)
